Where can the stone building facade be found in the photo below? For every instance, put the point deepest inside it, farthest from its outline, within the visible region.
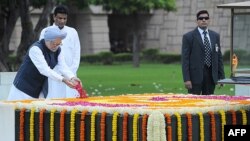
(161, 29)
(165, 29)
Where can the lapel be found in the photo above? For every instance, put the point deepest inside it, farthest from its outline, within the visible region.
(197, 35)
(212, 39)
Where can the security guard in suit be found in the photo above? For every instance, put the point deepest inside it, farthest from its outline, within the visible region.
(202, 64)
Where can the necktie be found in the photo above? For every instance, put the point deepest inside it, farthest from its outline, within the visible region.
(207, 50)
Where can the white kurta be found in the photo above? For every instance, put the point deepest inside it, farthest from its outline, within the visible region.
(39, 61)
(71, 51)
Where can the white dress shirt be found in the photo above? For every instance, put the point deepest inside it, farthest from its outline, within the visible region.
(71, 51)
(202, 35)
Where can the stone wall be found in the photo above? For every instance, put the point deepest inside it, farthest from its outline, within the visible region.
(165, 29)
(92, 27)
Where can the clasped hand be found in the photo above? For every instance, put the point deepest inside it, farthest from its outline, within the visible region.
(72, 82)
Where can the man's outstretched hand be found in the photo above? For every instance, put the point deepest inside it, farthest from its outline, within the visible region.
(68, 82)
(76, 83)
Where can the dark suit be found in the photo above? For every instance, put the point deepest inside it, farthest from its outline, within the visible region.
(193, 53)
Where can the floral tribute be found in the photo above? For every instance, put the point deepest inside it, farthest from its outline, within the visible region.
(81, 91)
(145, 117)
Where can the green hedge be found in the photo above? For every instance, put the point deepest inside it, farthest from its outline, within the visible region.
(123, 57)
(148, 55)
(169, 58)
(91, 58)
(153, 56)
(106, 58)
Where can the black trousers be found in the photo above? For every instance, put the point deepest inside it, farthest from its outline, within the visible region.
(207, 86)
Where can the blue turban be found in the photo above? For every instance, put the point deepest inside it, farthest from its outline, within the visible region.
(53, 32)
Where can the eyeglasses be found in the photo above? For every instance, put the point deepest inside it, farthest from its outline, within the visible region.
(56, 44)
(202, 18)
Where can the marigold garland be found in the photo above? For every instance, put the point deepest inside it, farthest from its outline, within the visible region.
(52, 122)
(82, 126)
(125, 127)
(201, 126)
(72, 124)
(62, 119)
(92, 126)
(144, 127)
(32, 116)
(103, 122)
(179, 127)
(223, 122)
(189, 126)
(244, 117)
(41, 120)
(156, 98)
(114, 126)
(212, 123)
(169, 127)
(234, 119)
(135, 126)
(21, 132)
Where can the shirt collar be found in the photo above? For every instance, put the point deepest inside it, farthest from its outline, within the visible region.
(201, 30)
(57, 26)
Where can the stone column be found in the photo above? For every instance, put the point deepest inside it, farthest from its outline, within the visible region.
(93, 30)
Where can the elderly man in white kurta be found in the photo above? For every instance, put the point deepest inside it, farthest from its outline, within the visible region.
(71, 51)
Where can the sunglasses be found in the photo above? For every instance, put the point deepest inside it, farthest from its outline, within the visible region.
(202, 18)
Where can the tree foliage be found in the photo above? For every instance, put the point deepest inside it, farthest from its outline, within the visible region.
(134, 6)
(11, 10)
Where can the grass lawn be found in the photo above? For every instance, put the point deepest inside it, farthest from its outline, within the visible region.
(148, 78)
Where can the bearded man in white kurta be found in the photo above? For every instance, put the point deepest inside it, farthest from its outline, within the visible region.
(71, 51)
